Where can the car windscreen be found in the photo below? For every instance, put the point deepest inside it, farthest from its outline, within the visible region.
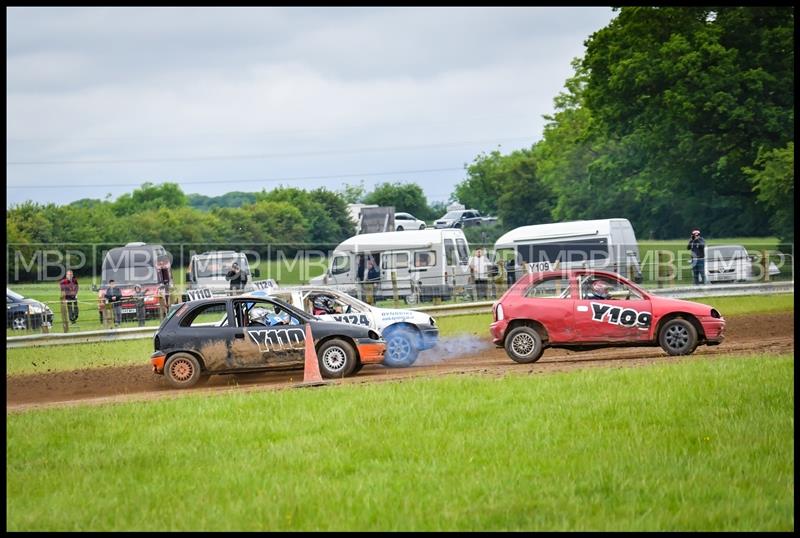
(216, 266)
(14, 295)
(725, 253)
(452, 215)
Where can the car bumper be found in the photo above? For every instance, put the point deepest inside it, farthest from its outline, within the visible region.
(714, 330)
(157, 359)
(498, 330)
(370, 351)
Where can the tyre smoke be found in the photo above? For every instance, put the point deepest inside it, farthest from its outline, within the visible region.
(451, 348)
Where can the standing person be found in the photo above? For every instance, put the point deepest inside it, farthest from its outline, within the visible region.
(138, 298)
(479, 269)
(697, 245)
(237, 278)
(69, 294)
(511, 271)
(114, 297)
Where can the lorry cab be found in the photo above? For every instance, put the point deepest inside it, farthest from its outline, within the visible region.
(208, 270)
(418, 263)
(149, 266)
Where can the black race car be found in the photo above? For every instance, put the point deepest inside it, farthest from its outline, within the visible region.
(229, 335)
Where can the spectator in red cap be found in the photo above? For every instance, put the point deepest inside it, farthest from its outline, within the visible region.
(697, 245)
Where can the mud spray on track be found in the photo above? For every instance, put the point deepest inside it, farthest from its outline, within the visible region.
(468, 354)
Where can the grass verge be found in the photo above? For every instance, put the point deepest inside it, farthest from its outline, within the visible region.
(694, 445)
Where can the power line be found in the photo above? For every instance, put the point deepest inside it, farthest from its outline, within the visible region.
(216, 181)
(263, 156)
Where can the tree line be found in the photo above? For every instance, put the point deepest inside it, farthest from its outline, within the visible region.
(675, 118)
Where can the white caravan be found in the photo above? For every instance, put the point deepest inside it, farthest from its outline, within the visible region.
(425, 263)
(606, 243)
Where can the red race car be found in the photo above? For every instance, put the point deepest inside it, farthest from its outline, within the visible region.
(587, 309)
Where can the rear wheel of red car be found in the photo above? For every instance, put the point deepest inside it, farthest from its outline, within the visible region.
(524, 345)
(182, 370)
(678, 337)
(337, 358)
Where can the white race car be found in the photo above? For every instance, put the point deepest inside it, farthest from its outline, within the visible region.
(406, 332)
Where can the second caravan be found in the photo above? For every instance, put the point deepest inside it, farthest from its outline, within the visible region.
(601, 244)
(426, 263)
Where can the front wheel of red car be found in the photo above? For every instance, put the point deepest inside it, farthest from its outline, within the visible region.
(678, 337)
(524, 345)
(182, 370)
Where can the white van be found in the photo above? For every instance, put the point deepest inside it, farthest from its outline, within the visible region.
(427, 263)
(208, 270)
(607, 243)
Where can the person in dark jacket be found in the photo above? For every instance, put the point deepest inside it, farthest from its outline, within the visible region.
(697, 246)
(114, 297)
(237, 278)
(69, 294)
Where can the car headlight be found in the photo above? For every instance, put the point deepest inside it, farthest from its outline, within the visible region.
(33, 309)
(499, 312)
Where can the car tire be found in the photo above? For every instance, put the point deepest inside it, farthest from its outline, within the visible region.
(18, 322)
(359, 366)
(337, 358)
(401, 347)
(524, 345)
(458, 225)
(422, 227)
(182, 370)
(678, 337)
(399, 228)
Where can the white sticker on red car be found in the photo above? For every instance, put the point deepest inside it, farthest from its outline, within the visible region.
(627, 317)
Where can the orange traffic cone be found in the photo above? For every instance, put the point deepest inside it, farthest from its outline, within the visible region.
(311, 375)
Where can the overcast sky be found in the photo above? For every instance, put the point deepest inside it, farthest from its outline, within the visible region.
(100, 100)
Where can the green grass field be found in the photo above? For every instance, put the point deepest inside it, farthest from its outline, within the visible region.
(127, 352)
(696, 445)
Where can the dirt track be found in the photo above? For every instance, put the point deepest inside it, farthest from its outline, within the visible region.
(765, 333)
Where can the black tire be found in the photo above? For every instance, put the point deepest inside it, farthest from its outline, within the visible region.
(678, 337)
(458, 225)
(337, 358)
(399, 228)
(182, 370)
(18, 322)
(422, 227)
(401, 347)
(359, 366)
(524, 345)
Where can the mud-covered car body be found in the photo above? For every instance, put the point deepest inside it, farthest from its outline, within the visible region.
(557, 309)
(407, 332)
(220, 336)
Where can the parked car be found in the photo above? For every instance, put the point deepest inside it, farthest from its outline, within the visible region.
(22, 313)
(227, 335)
(732, 263)
(588, 309)
(406, 332)
(407, 221)
(462, 218)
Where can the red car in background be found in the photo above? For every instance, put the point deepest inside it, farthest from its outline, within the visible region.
(587, 309)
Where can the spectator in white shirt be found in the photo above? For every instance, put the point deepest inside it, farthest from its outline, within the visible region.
(479, 269)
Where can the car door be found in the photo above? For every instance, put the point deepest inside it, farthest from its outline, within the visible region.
(625, 317)
(257, 345)
(206, 329)
(550, 301)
